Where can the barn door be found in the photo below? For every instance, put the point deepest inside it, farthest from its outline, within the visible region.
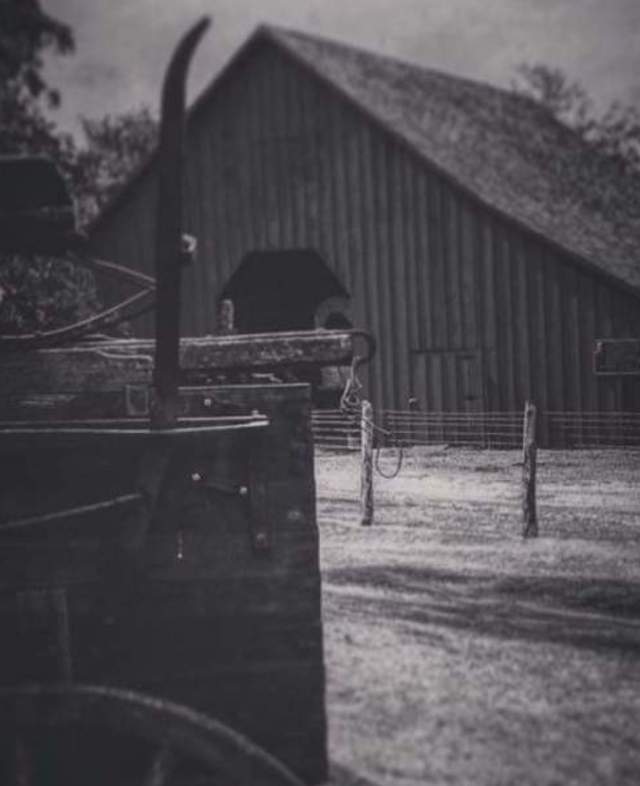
(469, 371)
(448, 381)
(448, 389)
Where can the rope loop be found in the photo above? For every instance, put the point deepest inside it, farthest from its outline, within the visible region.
(351, 406)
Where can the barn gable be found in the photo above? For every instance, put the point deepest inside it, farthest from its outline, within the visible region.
(476, 300)
(501, 147)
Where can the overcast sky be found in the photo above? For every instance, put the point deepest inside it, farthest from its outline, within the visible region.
(123, 45)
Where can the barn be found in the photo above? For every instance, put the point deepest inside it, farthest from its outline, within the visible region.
(471, 233)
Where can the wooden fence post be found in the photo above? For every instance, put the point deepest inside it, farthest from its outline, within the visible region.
(226, 318)
(366, 453)
(529, 450)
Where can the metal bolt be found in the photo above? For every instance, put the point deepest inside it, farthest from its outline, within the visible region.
(243, 491)
(295, 516)
(261, 541)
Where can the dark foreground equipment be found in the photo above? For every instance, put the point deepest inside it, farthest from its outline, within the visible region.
(158, 539)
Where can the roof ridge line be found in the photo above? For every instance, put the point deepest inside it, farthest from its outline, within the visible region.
(278, 32)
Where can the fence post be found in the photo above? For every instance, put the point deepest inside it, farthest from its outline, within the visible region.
(226, 318)
(529, 451)
(366, 454)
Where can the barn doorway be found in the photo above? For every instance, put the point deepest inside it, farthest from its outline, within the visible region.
(274, 291)
(280, 290)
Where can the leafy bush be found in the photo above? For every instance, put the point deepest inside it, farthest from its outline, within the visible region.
(40, 293)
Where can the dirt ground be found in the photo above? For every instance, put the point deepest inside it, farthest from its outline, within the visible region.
(457, 653)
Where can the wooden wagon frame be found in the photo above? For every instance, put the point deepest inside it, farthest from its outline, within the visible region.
(158, 541)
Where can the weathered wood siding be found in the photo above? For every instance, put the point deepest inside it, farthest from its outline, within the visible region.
(470, 311)
(179, 599)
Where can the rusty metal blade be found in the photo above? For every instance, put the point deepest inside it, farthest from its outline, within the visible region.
(169, 228)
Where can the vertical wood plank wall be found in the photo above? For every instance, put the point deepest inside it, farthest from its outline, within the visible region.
(277, 160)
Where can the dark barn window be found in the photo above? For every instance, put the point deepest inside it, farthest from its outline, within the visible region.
(280, 290)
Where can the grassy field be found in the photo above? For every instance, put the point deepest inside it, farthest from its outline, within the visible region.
(458, 653)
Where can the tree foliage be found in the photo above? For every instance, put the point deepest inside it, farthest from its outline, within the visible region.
(26, 32)
(38, 293)
(614, 133)
(35, 292)
(115, 146)
(43, 293)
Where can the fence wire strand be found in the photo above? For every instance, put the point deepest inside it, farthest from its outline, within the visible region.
(340, 430)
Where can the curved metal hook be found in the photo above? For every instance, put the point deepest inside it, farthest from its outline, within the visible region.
(360, 360)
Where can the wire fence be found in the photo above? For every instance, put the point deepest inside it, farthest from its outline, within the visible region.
(593, 429)
(339, 432)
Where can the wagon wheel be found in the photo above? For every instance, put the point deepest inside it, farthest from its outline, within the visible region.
(173, 745)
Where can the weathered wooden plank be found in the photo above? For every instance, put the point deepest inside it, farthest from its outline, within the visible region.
(586, 337)
(366, 470)
(506, 323)
(393, 261)
(188, 610)
(410, 220)
(340, 218)
(489, 309)
(110, 364)
(523, 322)
(554, 332)
(468, 275)
(453, 275)
(383, 266)
(529, 453)
(538, 336)
(607, 385)
(573, 389)
(423, 261)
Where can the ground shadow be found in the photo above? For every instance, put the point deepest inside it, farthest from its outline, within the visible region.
(591, 613)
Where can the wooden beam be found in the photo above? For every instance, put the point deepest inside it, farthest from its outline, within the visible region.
(110, 365)
(529, 463)
(366, 455)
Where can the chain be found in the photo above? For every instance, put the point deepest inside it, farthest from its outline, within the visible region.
(351, 406)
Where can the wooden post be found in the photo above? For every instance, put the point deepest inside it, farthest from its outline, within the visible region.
(414, 406)
(366, 478)
(226, 318)
(529, 449)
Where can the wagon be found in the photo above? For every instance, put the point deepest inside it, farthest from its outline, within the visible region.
(159, 582)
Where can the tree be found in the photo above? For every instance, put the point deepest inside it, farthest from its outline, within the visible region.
(25, 33)
(615, 133)
(36, 292)
(41, 293)
(115, 146)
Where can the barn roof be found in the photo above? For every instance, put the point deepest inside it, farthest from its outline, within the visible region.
(499, 146)
(502, 147)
